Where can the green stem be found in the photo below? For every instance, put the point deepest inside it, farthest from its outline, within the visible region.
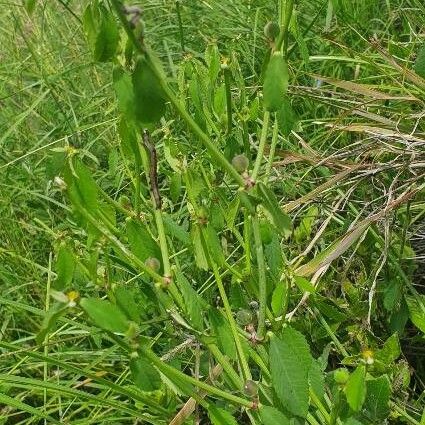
(163, 242)
(262, 284)
(262, 145)
(405, 415)
(246, 373)
(226, 72)
(171, 372)
(272, 149)
(137, 188)
(247, 242)
(224, 362)
(179, 20)
(284, 33)
(316, 401)
(157, 71)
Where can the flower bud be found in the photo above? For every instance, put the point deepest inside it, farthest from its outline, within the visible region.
(240, 162)
(341, 376)
(153, 263)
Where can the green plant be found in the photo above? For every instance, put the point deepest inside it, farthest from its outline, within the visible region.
(214, 279)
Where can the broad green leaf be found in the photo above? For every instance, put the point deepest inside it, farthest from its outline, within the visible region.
(220, 416)
(198, 248)
(128, 138)
(378, 398)
(141, 242)
(290, 363)
(87, 187)
(279, 298)
(125, 300)
(304, 284)
(390, 351)
(221, 330)
(416, 310)
(123, 87)
(420, 62)
(148, 95)
(212, 242)
(175, 230)
(107, 38)
(65, 267)
(105, 315)
(194, 304)
(144, 375)
(271, 416)
(101, 31)
(275, 82)
(355, 390)
(286, 117)
(316, 379)
(280, 219)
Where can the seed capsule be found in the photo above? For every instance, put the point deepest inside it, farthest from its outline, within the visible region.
(240, 162)
(243, 317)
(271, 30)
(153, 263)
(250, 388)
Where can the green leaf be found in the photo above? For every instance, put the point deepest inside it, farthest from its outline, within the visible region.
(279, 298)
(86, 186)
(198, 248)
(355, 390)
(390, 351)
(212, 242)
(221, 330)
(65, 267)
(280, 219)
(316, 379)
(271, 416)
(378, 398)
(49, 321)
(416, 310)
(125, 300)
(144, 375)
(220, 416)
(275, 82)
(16, 404)
(286, 117)
(290, 363)
(141, 242)
(420, 62)
(101, 31)
(194, 304)
(304, 284)
(352, 421)
(123, 87)
(107, 38)
(105, 315)
(148, 94)
(30, 6)
(176, 230)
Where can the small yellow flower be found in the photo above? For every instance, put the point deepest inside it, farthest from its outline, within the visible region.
(368, 356)
(72, 298)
